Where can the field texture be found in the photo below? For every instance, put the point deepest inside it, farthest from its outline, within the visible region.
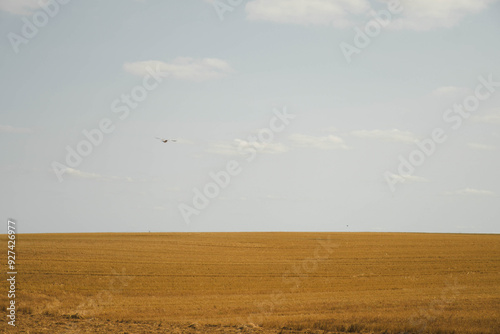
(256, 282)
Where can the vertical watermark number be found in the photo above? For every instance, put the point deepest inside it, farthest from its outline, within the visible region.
(11, 272)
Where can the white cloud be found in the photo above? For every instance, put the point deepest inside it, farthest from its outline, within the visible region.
(419, 15)
(79, 173)
(408, 178)
(394, 135)
(232, 198)
(330, 142)
(330, 129)
(471, 192)
(482, 147)
(242, 147)
(270, 148)
(19, 7)
(86, 175)
(223, 149)
(11, 129)
(24, 7)
(422, 15)
(337, 13)
(451, 91)
(183, 68)
(491, 118)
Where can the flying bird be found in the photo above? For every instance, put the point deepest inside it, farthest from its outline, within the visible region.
(166, 140)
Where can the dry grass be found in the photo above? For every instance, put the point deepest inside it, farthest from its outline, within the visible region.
(348, 282)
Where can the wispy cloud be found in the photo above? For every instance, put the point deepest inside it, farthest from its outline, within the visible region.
(24, 7)
(329, 142)
(470, 192)
(19, 7)
(86, 175)
(12, 129)
(269, 148)
(338, 13)
(422, 15)
(418, 15)
(493, 118)
(393, 135)
(240, 147)
(453, 91)
(183, 68)
(481, 147)
(408, 178)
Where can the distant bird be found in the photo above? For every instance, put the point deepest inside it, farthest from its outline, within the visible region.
(166, 140)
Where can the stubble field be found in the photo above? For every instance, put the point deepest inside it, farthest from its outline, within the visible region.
(256, 282)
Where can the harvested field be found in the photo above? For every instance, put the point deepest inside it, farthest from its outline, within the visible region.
(257, 282)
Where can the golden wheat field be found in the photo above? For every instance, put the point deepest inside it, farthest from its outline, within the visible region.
(257, 282)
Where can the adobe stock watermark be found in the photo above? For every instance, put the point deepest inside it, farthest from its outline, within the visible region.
(223, 6)
(454, 116)
(122, 107)
(221, 179)
(31, 27)
(363, 37)
(11, 271)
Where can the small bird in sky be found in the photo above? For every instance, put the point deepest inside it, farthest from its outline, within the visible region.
(166, 140)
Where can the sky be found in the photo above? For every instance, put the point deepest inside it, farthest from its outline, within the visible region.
(289, 115)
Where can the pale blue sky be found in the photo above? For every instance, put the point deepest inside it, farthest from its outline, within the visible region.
(220, 82)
